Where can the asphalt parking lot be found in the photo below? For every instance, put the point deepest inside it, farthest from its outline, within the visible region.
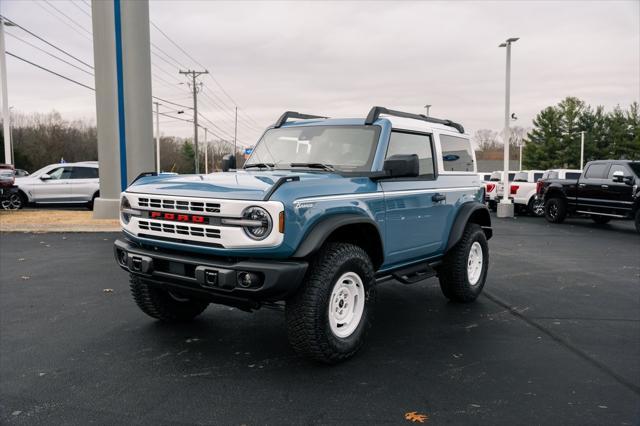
(555, 339)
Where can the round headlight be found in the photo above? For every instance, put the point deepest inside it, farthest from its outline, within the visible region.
(258, 214)
(124, 207)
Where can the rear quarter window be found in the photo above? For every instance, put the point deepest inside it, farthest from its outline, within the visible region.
(457, 154)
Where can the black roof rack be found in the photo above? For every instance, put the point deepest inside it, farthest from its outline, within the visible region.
(375, 112)
(292, 114)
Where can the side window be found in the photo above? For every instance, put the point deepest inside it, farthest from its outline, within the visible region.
(618, 168)
(60, 173)
(596, 171)
(573, 175)
(511, 176)
(537, 176)
(401, 143)
(457, 154)
(84, 173)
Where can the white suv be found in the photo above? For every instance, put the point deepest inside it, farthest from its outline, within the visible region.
(523, 191)
(69, 183)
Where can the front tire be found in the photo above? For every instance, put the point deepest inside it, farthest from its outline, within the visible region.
(464, 269)
(163, 305)
(555, 210)
(536, 207)
(329, 317)
(14, 201)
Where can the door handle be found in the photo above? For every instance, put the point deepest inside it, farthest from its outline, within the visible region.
(604, 186)
(436, 198)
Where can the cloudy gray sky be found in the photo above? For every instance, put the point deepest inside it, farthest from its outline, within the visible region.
(340, 58)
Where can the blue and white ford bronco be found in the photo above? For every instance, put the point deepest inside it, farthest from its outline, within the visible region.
(322, 211)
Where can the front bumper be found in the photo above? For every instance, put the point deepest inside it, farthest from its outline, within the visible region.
(216, 279)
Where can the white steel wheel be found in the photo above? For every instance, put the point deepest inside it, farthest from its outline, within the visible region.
(474, 263)
(346, 305)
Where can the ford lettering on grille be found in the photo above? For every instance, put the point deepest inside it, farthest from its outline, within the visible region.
(178, 217)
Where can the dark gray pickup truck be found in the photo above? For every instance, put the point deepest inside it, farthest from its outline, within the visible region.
(607, 189)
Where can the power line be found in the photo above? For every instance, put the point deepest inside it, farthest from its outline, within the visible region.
(49, 53)
(45, 41)
(41, 6)
(81, 9)
(49, 71)
(68, 17)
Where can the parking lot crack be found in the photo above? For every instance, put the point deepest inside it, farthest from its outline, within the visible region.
(563, 342)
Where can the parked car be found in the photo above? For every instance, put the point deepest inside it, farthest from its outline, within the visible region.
(8, 191)
(69, 183)
(491, 188)
(607, 190)
(322, 211)
(484, 177)
(523, 191)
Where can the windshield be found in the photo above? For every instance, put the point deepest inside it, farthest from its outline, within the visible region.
(40, 171)
(521, 177)
(344, 148)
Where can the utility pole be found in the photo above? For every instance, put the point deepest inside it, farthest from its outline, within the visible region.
(157, 104)
(235, 138)
(206, 152)
(505, 207)
(6, 116)
(194, 87)
(582, 150)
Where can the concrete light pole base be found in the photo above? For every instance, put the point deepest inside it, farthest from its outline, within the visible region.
(106, 208)
(505, 210)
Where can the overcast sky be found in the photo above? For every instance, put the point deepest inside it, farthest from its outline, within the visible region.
(340, 58)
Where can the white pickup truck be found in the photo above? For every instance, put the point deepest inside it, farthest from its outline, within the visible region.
(493, 189)
(524, 188)
(523, 191)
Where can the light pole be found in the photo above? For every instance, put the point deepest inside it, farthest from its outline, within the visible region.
(206, 152)
(157, 104)
(8, 148)
(505, 207)
(427, 107)
(582, 132)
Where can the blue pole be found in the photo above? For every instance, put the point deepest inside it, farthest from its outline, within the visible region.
(121, 116)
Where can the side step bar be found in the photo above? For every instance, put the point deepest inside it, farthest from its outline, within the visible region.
(415, 273)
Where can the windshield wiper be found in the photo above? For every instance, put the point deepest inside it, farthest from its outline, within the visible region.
(260, 165)
(327, 167)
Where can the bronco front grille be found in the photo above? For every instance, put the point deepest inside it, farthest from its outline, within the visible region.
(178, 229)
(179, 205)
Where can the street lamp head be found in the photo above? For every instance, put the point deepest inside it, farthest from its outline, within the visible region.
(513, 39)
(502, 45)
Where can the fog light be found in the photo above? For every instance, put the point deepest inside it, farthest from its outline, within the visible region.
(249, 279)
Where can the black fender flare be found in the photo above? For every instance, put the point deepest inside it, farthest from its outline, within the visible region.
(554, 191)
(318, 234)
(474, 212)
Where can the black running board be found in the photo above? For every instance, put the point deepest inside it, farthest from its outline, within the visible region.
(415, 273)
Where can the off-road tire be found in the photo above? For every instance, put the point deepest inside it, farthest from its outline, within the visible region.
(555, 210)
(307, 313)
(160, 304)
(600, 220)
(533, 209)
(638, 221)
(453, 273)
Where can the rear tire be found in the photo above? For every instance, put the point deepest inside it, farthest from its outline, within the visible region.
(329, 317)
(601, 220)
(93, 199)
(464, 269)
(638, 221)
(555, 210)
(163, 305)
(535, 207)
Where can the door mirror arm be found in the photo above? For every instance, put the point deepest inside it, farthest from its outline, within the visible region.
(45, 176)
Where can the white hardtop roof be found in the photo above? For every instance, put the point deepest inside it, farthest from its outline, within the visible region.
(422, 126)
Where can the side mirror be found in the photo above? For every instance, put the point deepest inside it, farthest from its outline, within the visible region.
(228, 162)
(402, 166)
(45, 176)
